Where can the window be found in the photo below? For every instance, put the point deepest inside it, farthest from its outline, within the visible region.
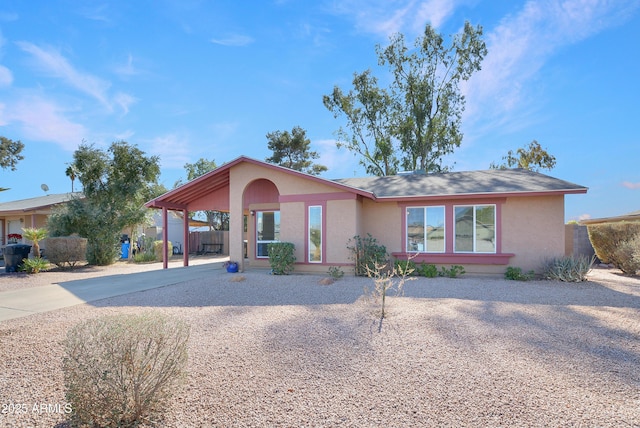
(475, 229)
(425, 229)
(267, 231)
(315, 234)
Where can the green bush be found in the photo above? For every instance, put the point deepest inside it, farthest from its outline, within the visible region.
(121, 370)
(66, 251)
(366, 253)
(157, 249)
(516, 274)
(427, 270)
(335, 272)
(406, 266)
(614, 244)
(452, 272)
(34, 265)
(144, 257)
(568, 269)
(281, 257)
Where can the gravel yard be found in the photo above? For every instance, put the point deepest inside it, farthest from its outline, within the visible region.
(286, 351)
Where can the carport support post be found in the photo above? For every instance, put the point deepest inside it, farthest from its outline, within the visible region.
(165, 239)
(236, 227)
(185, 247)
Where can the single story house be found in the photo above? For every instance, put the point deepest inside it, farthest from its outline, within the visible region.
(482, 220)
(32, 212)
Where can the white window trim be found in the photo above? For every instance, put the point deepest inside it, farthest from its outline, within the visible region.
(474, 234)
(424, 237)
(309, 244)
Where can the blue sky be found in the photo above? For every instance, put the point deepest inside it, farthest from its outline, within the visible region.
(190, 79)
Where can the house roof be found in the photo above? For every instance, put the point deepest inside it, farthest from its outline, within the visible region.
(463, 184)
(398, 187)
(37, 203)
(632, 216)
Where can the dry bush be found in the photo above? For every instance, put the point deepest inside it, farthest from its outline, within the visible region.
(66, 251)
(157, 249)
(121, 370)
(616, 243)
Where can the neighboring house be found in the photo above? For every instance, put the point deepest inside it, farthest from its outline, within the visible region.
(632, 216)
(483, 220)
(32, 212)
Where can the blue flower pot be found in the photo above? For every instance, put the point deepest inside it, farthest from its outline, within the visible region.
(232, 267)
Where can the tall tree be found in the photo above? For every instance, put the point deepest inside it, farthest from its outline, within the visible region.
(419, 115)
(116, 184)
(72, 173)
(292, 150)
(532, 157)
(10, 153)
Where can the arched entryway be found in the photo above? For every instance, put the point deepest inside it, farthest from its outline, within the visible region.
(261, 206)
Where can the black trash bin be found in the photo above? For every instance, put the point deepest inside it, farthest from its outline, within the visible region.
(13, 256)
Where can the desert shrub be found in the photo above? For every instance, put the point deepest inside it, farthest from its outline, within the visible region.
(427, 270)
(335, 272)
(568, 269)
(34, 265)
(627, 255)
(66, 251)
(408, 266)
(157, 249)
(452, 272)
(516, 274)
(144, 257)
(281, 257)
(122, 369)
(613, 243)
(386, 279)
(366, 253)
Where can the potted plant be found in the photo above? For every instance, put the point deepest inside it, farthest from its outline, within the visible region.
(231, 266)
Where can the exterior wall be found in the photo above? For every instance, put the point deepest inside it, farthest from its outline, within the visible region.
(384, 222)
(577, 241)
(533, 229)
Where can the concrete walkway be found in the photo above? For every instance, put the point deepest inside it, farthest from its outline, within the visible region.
(28, 301)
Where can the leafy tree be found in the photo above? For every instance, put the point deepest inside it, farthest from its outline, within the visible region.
(116, 184)
(292, 150)
(10, 153)
(532, 157)
(217, 220)
(419, 114)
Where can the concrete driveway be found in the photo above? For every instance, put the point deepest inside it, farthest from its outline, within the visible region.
(27, 301)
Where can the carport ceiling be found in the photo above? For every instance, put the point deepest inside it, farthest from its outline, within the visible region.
(181, 197)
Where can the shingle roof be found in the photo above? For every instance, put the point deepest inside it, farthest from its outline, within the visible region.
(37, 202)
(493, 181)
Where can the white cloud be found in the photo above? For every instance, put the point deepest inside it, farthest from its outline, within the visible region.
(341, 163)
(234, 40)
(522, 43)
(43, 120)
(124, 101)
(53, 63)
(172, 149)
(6, 77)
(630, 185)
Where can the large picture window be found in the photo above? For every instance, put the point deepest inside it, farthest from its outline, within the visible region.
(267, 231)
(425, 229)
(475, 229)
(315, 234)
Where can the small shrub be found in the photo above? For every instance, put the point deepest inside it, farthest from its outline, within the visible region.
(427, 270)
(66, 251)
(157, 249)
(281, 257)
(385, 280)
(408, 266)
(366, 253)
(335, 272)
(122, 369)
(144, 257)
(627, 255)
(516, 274)
(568, 269)
(453, 272)
(34, 265)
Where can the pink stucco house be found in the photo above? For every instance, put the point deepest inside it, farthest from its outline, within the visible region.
(482, 220)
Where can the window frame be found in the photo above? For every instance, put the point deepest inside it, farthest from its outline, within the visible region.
(474, 233)
(425, 238)
(276, 232)
(309, 229)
